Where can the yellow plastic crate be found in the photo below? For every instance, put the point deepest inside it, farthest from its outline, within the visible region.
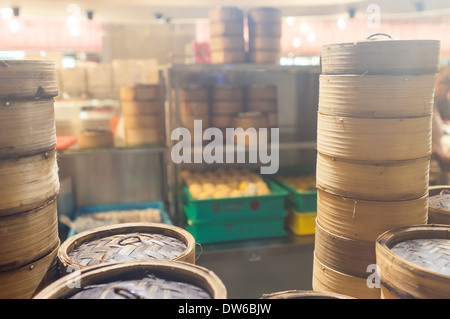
(301, 223)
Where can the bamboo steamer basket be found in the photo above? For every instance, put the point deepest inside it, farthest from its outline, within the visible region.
(269, 29)
(26, 281)
(374, 139)
(438, 208)
(226, 29)
(272, 118)
(227, 107)
(126, 241)
(27, 79)
(27, 236)
(304, 294)
(28, 182)
(261, 92)
(193, 93)
(227, 93)
(414, 262)
(194, 108)
(381, 56)
(346, 255)
(222, 121)
(140, 92)
(143, 121)
(226, 13)
(366, 220)
(265, 56)
(95, 138)
(227, 43)
(264, 15)
(266, 106)
(188, 121)
(264, 43)
(367, 180)
(326, 279)
(27, 127)
(149, 107)
(142, 136)
(177, 272)
(377, 96)
(247, 120)
(228, 56)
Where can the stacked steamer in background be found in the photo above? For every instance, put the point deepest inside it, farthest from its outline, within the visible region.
(194, 102)
(226, 102)
(142, 113)
(374, 146)
(29, 180)
(263, 98)
(227, 44)
(264, 35)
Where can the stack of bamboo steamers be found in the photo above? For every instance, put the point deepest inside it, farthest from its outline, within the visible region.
(28, 178)
(374, 146)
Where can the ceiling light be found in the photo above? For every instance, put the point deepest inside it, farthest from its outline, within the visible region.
(6, 13)
(341, 24)
(290, 20)
(304, 28)
(311, 37)
(297, 42)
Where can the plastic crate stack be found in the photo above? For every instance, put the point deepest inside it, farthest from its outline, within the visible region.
(29, 181)
(374, 147)
(142, 112)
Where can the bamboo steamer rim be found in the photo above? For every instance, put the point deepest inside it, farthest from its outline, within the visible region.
(437, 214)
(363, 57)
(99, 232)
(186, 272)
(27, 79)
(305, 294)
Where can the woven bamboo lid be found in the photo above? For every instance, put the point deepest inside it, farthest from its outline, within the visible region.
(156, 279)
(304, 294)
(27, 79)
(414, 261)
(380, 54)
(127, 241)
(439, 205)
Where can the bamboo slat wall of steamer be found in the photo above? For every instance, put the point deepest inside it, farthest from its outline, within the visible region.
(374, 147)
(29, 181)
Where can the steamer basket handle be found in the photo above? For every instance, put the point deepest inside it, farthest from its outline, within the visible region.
(378, 34)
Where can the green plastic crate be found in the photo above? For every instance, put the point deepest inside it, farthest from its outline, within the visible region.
(247, 207)
(301, 202)
(232, 230)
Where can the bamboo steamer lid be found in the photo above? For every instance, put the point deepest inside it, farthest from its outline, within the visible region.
(304, 294)
(140, 107)
(269, 29)
(28, 182)
(27, 79)
(266, 106)
(227, 93)
(377, 96)
(27, 127)
(439, 205)
(414, 261)
(173, 276)
(26, 281)
(142, 136)
(227, 43)
(272, 118)
(374, 139)
(264, 14)
(226, 13)
(382, 55)
(95, 138)
(193, 93)
(346, 255)
(143, 121)
(264, 43)
(330, 280)
(229, 56)
(261, 92)
(247, 120)
(188, 121)
(28, 236)
(367, 180)
(227, 107)
(226, 29)
(194, 108)
(366, 220)
(127, 241)
(265, 56)
(140, 92)
(222, 121)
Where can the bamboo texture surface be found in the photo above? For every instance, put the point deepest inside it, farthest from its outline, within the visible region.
(439, 205)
